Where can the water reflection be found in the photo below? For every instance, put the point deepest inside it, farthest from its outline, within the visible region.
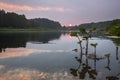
(15, 40)
(36, 61)
(86, 71)
(32, 74)
(22, 52)
(116, 42)
(108, 62)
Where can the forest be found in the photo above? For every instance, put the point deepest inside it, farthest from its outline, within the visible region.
(107, 27)
(13, 20)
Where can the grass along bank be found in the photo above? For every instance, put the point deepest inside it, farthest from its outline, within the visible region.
(12, 30)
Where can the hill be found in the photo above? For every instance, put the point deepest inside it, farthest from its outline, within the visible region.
(13, 20)
(44, 23)
(98, 25)
(105, 26)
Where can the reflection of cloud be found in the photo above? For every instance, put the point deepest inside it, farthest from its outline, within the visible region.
(18, 52)
(22, 74)
(12, 7)
(2, 67)
(28, 74)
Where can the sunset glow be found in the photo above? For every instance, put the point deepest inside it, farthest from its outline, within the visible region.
(59, 39)
(11, 7)
(70, 25)
(19, 52)
(76, 12)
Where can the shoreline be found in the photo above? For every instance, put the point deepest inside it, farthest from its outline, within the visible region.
(113, 36)
(26, 30)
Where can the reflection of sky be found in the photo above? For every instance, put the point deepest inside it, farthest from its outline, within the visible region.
(19, 52)
(52, 61)
(29, 74)
(65, 43)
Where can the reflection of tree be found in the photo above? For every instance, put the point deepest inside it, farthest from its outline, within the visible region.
(117, 58)
(108, 67)
(108, 61)
(116, 41)
(113, 77)
(83, 69)
(14, 40)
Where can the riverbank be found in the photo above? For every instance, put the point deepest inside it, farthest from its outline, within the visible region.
(113, 36)
(11, 30)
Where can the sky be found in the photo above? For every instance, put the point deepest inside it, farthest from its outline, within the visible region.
(67, 12)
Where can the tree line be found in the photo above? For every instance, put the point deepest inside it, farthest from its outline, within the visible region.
(115, 27)
(13, 20)
(110, 27)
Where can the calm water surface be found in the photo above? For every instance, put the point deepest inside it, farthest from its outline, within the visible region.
(49, 56)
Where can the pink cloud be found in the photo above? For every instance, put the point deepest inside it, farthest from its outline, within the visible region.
(11, 7)
(60, 9)
(22, 8)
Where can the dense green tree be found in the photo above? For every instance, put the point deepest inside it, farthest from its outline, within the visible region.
(115, 28)
(13, 20)
(2, 18)
(44, 23)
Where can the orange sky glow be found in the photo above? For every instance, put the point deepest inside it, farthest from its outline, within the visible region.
(74, 12)
(11, 7)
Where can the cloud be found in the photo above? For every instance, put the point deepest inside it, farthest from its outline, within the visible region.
(11, 7)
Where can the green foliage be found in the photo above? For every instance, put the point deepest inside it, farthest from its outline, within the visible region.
(94, 44)
(79, 42)
(87, 69)
(73, 72)
(107, 55)
(116, 41)
(86, 35)
(99, 25)
(115, 28)
(44, 23)
(13, 20)
(92, 74)
(93, 29)
(83, 31)
(10, 20)
(74, 34)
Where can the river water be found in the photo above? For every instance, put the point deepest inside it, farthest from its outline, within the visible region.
(50, 56)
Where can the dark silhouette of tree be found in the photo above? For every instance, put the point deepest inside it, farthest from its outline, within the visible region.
(17, 40)
(44, 23)
(13, 20)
